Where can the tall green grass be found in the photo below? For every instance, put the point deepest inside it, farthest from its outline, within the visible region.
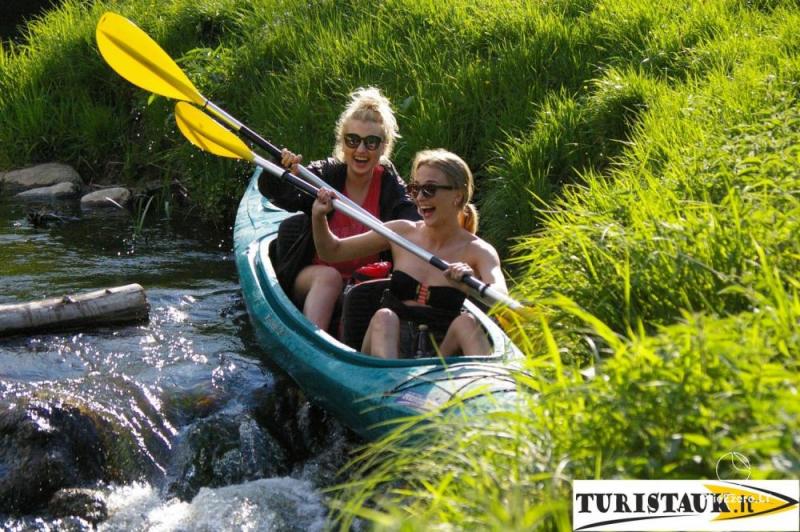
(664, 406)
(668, 274)
(475, 77)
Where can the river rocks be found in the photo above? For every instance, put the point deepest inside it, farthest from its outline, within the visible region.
(43, 448)
(220, 450)
(302, 427)
(57, 191)
(42, 175)
(56, 181)
(106, 197)
(83, 503)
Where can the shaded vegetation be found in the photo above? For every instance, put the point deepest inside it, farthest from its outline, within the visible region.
(13, 14)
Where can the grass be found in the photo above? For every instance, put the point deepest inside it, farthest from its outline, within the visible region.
(479, 87)
(668, 269)
(140, 215)
(637, 164)
(665, 406)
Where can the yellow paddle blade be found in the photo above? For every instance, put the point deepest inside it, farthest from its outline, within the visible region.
(208, 135)
(139, 59)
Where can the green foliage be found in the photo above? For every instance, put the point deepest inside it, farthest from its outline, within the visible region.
(662, 259)
(662, 406)
(645, 247)
(477, 87)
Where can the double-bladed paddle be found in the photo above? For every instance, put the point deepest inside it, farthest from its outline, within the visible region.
(207, 134)
(139, 59)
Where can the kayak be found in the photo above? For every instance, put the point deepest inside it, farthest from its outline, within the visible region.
(364, 392)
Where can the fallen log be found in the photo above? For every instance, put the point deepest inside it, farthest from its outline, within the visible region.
(120, 304)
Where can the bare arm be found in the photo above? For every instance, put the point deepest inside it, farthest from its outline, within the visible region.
(484, 264)
(489, 269)
(334, 249)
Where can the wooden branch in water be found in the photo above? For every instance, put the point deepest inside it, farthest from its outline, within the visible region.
(120, 304)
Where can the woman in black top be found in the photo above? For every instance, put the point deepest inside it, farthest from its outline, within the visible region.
(441, 185)
(360, 169)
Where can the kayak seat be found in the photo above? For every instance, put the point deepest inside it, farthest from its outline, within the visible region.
(359, 305)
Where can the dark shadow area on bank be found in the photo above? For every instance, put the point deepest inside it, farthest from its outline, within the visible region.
(14, 13)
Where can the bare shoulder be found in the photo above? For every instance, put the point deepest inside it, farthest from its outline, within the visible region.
(480, 248)
(402, 227)
(487, 263)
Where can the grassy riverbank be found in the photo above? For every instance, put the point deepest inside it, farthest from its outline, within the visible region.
(668, 280)
(645, 157)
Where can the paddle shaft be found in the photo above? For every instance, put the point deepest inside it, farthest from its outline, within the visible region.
(483, 290)
(273, 150)
(138, 58)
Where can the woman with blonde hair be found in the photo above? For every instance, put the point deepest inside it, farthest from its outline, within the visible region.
(359, 169)
(441, 186)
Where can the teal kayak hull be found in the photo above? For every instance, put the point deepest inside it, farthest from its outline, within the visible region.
(365, 393)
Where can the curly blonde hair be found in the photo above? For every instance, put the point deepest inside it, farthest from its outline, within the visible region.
(369, 105)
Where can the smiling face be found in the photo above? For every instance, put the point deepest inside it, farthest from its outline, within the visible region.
(360, 160)
(445, 203)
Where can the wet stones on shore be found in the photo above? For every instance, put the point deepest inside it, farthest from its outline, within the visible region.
(41, 176)
(57, 181)
(107, 197)
(58, 191)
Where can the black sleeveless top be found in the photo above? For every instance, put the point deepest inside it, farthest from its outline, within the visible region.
(405, 288)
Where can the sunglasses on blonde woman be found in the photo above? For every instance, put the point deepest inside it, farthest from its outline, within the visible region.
(371, 142)
(428, 189)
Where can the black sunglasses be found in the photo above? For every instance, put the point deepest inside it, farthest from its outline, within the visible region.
(428, 189)
(371, 142)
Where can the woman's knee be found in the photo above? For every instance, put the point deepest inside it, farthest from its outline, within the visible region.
(318, 279)
(465, 324)
(381, 337)
(329, 278)
(384, 319)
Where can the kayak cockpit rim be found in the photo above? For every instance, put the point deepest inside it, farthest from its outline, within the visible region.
(293, 318)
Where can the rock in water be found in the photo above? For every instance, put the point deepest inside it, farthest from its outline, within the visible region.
(76, 502)
(42, 175)
(59, 191)
(222, 450)
(107, 197)
(44, 448)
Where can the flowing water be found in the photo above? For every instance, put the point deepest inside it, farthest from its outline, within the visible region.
(194, 360)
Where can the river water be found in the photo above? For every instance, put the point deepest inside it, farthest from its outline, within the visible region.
(195, 360)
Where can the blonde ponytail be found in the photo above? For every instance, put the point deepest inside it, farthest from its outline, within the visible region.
(468, 218)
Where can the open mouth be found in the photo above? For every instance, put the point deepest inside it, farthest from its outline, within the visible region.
(426, 211)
